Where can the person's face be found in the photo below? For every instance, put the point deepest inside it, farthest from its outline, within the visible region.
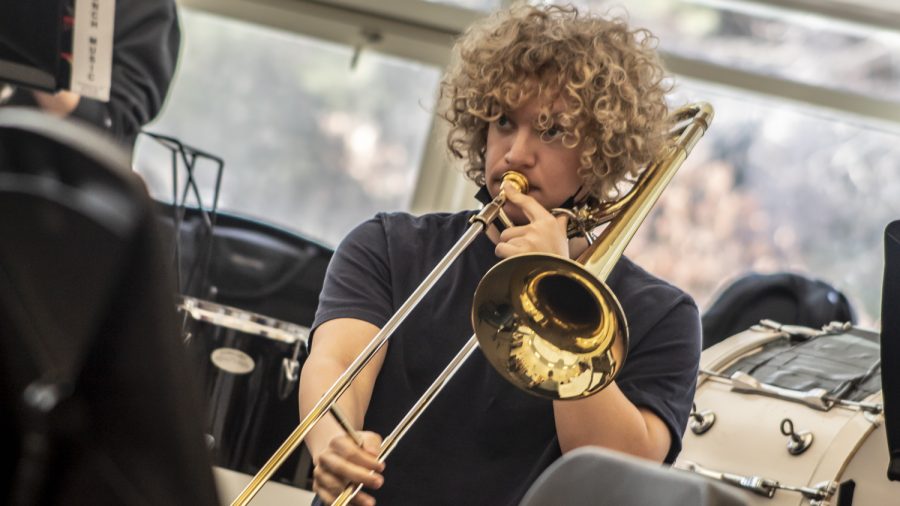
(514, 143)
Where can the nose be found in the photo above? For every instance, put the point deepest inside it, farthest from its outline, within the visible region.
(521, 152)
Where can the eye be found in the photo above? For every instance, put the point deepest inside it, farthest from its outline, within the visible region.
(552, 133)
(503, 121)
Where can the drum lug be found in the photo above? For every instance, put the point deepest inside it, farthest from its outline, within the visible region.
(701, 421)
(875, 418)
(291, 369)
(290, 372)
(798, 442)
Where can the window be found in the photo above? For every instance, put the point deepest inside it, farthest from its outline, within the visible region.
(798, 47)
(776, 186)
(478, 5)
(308, 142)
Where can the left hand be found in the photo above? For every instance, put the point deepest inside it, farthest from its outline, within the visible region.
(61, 104)
(544, 233)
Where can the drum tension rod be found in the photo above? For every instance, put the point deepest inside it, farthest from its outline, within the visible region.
(801, 333)
(816, 398)
(869, 407)
(764, 486)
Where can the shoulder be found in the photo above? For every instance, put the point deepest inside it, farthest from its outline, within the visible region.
(631, 280)
(403, 223)
(648, 300)
(398, 233)
(409, 232)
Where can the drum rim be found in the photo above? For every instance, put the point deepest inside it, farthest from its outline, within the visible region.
(242, 320)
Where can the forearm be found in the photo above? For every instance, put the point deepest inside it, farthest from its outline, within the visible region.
(610, 420)
(318, 375)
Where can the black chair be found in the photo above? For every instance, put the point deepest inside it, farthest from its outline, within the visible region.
(98, 404)
(592, 476)
(785, 297)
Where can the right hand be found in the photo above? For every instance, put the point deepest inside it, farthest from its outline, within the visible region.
(343, 463)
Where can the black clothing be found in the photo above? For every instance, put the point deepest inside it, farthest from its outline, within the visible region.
(483, 440)
(145, 51)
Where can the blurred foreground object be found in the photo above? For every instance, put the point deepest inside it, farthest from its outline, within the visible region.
(598, 477)
(43, 52)
(99, 405)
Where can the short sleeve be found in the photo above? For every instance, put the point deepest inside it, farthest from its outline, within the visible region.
(660, 371)
(357, 282)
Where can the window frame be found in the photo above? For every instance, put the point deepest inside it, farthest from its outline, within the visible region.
(425, 32)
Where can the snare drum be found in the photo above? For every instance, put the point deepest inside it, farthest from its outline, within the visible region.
(248, 366)
(804, 445)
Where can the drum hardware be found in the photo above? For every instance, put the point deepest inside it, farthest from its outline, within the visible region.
(747, 442)
(798, 442)
(248, 366)
(546, 323)
(816, 398)
(817, 495)
(290, 372)
(43, 396)
(800, 333)
(793, 331)
(745, 383)
(868, 407)
(701, 421)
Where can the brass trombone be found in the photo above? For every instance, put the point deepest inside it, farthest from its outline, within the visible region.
(548, 324)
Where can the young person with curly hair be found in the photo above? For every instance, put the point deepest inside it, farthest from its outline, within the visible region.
(576, 103)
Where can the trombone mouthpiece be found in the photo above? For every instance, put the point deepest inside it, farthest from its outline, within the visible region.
(515, 178)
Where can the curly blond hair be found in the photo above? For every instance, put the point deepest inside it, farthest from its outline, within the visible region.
(608, 75)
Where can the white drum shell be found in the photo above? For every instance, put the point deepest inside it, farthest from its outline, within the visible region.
(746, 437)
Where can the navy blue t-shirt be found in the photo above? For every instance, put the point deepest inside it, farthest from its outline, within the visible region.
(482, 440)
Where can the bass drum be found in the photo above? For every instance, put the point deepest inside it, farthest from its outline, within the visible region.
(248, 366)
(793, 416)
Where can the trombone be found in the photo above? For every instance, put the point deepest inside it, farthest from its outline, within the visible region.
(548, 324)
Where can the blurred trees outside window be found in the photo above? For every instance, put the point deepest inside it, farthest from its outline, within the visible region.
(774, 186)
(309, 143)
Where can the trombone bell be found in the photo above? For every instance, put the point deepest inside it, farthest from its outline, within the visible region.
(549, 326)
